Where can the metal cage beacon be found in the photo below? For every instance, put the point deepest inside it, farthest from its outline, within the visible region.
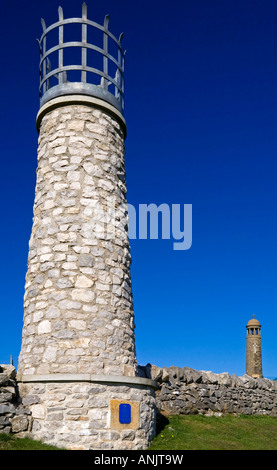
(55, 82)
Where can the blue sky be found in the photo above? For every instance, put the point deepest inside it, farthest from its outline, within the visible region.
(201, 106)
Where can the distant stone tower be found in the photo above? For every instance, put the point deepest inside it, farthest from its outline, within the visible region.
(254, 348)
(77, 365)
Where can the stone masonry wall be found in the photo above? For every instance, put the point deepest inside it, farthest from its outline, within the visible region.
(187, 391)
(74, 416)
(77, 416)
(14, 417)
(78, 306)
(84, 407)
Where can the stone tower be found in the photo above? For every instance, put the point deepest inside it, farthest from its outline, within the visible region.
(77, 365)
(254, 348)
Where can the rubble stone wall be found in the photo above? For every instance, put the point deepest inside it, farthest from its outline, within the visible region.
(14, 417)
(77, 416)
(180, 391)
(187, 391)
(74, 416)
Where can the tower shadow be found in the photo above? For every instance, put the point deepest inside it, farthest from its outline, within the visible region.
(161, 422)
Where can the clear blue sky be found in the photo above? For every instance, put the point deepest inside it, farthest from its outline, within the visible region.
(201, 101)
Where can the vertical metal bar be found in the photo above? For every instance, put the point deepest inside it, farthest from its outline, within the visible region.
(40, 72)
(61, 75)
(105, 47)
(123, 81)
(84, 41)
(48, 69)
(118, 72)
(43, 54)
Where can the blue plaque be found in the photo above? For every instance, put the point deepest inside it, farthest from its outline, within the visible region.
(124, 413)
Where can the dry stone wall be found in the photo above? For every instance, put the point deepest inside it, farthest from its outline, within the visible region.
(14, 417)
(85, 407)
(187, 391)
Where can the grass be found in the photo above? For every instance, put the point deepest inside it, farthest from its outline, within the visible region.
(216, 433)
(10, 442)
(191, 432)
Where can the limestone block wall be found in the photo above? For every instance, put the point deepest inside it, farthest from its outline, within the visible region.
(75, 415)
(187, 391)
(14, 417)
(78, 415)
(78, 306)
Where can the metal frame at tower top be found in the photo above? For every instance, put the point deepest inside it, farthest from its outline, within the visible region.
(93, 81)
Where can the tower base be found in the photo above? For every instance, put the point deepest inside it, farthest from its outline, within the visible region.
(83, 412)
